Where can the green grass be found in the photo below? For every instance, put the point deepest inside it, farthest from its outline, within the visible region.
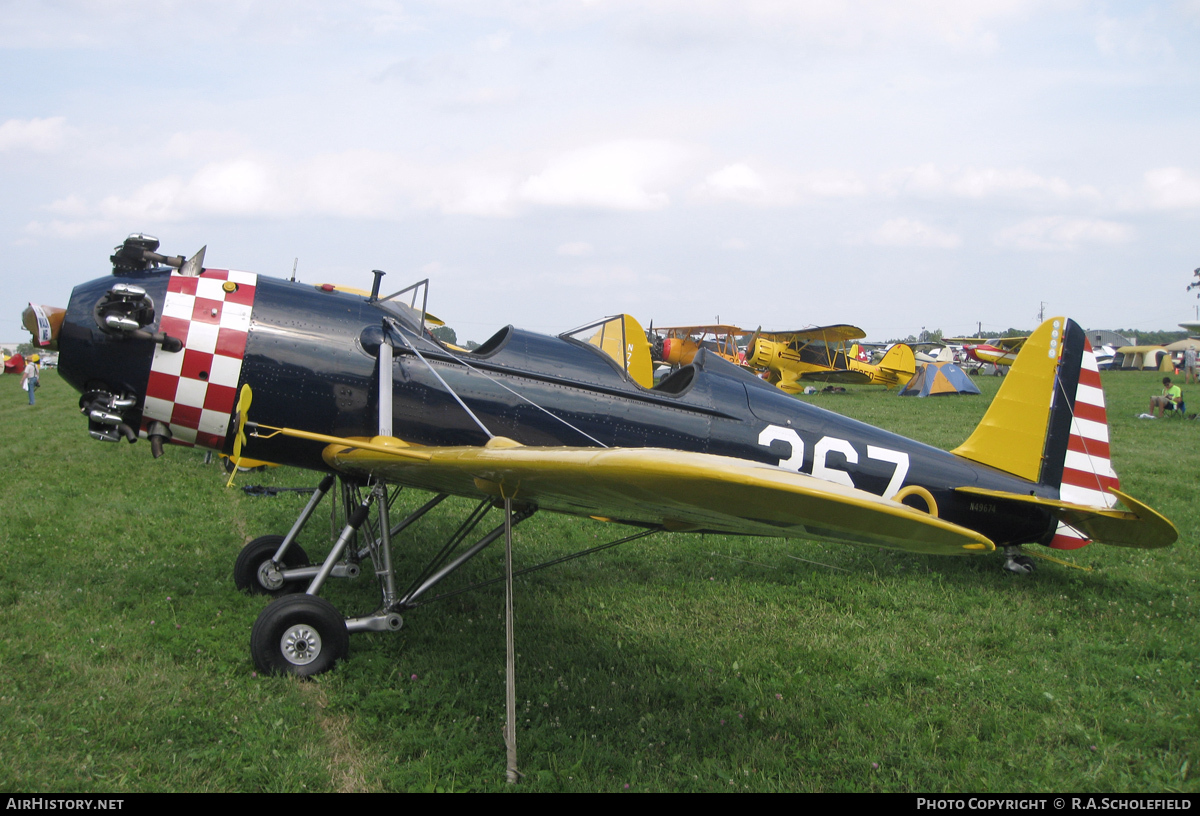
(677, 663)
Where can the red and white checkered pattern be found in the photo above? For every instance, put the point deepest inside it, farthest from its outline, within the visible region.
(1088, 471)
(194, 390)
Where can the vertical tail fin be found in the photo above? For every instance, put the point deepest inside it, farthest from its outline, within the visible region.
(1087, 470)
(901, 361)
(1048, 423)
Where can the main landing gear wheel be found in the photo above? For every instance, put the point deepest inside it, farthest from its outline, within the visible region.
(302, 635)
(254, 573)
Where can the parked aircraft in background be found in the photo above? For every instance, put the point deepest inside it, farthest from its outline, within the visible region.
(998, 351)
(677, 345)
(825, 354)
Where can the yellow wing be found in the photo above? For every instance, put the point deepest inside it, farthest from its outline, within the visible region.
(1009, 343)
(699, 328)
(1006, 343)
(840, 333)
(648, 486)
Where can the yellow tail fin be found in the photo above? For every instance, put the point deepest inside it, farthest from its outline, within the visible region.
(900, 359)
(1012, 436)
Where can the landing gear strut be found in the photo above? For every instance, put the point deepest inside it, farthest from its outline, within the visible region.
(291, 630)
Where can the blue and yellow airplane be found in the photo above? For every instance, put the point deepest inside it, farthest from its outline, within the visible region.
(354, 386)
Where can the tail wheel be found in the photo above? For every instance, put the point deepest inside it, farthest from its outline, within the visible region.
(1015, 561)
(253, 571)
(302, 635)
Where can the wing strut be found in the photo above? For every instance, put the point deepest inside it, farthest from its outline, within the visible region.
(385, 382)
(510, 671)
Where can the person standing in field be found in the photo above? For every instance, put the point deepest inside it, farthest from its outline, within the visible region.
(29, 379)
(1189, 364)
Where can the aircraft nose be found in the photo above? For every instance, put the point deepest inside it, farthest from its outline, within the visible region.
(760, 353)
(158, 353)
(105, 347)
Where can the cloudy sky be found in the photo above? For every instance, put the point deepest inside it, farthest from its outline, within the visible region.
(898, 165)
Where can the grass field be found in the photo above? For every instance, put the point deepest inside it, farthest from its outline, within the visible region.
(689, 663)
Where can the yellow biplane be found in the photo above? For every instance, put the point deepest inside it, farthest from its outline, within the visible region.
(677, 345)
(826, 354)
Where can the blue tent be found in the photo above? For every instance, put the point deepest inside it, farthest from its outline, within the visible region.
(936, 379)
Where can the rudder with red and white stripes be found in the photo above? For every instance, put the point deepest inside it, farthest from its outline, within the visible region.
(1087, 470)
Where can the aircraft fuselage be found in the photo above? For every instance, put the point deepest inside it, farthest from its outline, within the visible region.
(311, 357)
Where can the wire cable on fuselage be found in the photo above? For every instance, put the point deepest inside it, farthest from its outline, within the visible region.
(421, 357)
(493, 380)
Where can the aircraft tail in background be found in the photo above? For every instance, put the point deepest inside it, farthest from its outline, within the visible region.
(900, 361)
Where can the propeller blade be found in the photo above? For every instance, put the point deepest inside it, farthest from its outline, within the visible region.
(239, 439)
(194, 265)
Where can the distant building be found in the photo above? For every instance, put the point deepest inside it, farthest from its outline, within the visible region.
(1104, 337)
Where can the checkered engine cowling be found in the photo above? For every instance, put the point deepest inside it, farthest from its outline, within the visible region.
(194, 390)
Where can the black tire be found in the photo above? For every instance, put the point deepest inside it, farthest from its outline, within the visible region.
(259, 552)
(302, 635)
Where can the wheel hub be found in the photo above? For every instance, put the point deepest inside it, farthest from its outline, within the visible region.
(300, 645)
(269, 576)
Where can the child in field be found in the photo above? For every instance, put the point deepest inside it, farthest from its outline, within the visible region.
(1171, 399)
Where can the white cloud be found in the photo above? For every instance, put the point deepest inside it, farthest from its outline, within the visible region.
(736, 182)
(73, 229)
(1058, 233)
(498, 41)
(982, 182)
(620, 175)
(1172, 188)
(596, 277)
(575, 249)
(833, 184)
(482, 192)
(41, 135)
(974, 25)
(906, 232)
(741, 183)
(961, 26)
(978, 183)
(203, 144)
(1132, 36)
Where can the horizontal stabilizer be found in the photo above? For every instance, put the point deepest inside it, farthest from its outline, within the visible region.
(1139, 527)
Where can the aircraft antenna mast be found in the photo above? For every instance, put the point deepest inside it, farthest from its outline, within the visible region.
(295, 263)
